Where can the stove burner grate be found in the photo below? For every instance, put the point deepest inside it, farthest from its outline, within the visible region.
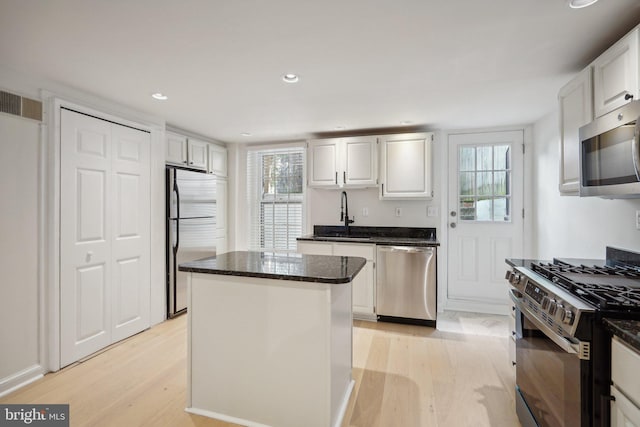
(607, 287)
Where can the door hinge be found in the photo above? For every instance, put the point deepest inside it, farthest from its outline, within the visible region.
(522, 213)
(431, 137)
(522, 148)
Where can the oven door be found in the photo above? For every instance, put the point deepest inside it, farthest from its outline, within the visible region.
(552, 382)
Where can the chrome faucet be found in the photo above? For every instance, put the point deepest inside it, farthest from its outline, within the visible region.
(344, 211)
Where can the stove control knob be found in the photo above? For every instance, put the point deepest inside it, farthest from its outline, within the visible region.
(567, 317)
(508, 275)
(515, 279)
(553, 305)
(545, 302)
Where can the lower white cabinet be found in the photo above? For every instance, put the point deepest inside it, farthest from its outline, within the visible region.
(625, 376)
(624, 413)
(363, 285)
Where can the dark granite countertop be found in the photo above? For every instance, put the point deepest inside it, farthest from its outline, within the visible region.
(296, 267)
(390, 236)
(627, 330)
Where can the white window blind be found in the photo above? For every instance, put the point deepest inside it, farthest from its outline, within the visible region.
(275, 181)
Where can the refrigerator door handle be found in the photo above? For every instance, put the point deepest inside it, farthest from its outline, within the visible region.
(177, 191)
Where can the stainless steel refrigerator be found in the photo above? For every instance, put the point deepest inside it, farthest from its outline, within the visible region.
(190, 228)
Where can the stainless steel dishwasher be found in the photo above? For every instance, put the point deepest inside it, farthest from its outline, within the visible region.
(406, 284)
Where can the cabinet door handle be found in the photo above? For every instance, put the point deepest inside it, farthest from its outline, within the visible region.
(336, 177)
(628, 97)
(344, 177)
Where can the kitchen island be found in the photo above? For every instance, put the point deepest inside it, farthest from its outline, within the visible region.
(270, 338)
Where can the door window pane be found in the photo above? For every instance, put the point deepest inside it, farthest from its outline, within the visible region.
(467, 183)
(467, 159)
(484, 182)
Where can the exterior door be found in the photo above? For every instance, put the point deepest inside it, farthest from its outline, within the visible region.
(104, 234)
(485, 217)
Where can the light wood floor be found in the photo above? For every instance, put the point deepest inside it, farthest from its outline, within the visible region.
(406, 376)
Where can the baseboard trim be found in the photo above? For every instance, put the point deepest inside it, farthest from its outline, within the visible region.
(26, 376)
(477, 307)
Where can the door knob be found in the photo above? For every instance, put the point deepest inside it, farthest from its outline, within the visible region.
(453, 213)
(452, 225)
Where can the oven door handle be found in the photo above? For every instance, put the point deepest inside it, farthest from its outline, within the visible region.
(562, 342)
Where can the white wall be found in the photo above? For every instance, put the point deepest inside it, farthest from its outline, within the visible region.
(571, 226)
(19, 316)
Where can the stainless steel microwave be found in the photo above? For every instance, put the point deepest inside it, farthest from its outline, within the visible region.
(610, 154)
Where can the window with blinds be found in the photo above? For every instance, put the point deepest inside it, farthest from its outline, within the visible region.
(275, 180)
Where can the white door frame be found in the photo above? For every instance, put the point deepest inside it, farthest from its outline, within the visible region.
(50, 200)
(443, 236)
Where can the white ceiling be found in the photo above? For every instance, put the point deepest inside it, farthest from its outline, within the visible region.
(363, 64)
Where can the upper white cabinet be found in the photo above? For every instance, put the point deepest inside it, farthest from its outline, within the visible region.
(343, 162)
(197, 154)
(576, 110)
(405, 166)
(176, 149)
(185, 151)
(615, 75)
(217, 160)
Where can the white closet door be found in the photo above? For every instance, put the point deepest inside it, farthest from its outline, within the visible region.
(85, 230)
(104, 234)
(131, 231)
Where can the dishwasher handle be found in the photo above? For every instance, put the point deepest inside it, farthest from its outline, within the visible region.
(407, 249)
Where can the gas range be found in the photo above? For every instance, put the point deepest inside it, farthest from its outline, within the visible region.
(562, 293)
(560, 337)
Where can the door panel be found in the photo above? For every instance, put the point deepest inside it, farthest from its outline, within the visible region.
(485, 216)
(92, 322)
(84, 229)
(104, 234)
(130, 251)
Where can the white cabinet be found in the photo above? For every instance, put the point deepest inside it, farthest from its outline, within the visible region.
(197, 154)
(405, 166)
(576, 110)
(176, 146)
(615, 75)
(184, 151)
(363, 285)
(625, 376)
(343, 162)
(217, 160)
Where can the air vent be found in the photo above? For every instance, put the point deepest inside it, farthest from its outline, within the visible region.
(20, 106)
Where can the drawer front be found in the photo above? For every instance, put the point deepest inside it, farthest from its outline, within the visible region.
(625, 369)
(365, 251)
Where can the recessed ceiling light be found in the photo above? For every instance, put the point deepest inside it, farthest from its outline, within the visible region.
(579, 4)
(339, 127)
(159, 96)
(245, 134)
(406, 122)
(290, 78)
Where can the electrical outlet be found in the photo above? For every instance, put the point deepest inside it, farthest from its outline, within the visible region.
(398, 211)
(638, 220)
(365, 211)
(432, 211)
